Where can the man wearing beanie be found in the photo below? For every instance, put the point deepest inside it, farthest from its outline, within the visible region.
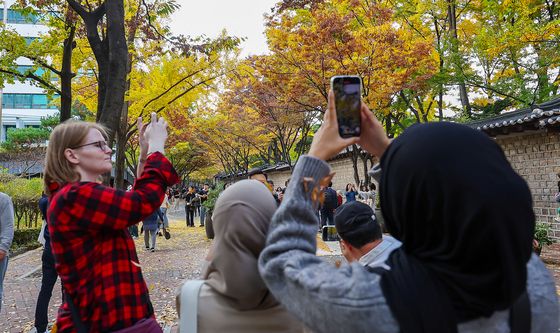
(360, 235)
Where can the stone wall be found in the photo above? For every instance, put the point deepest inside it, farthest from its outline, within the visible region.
(279, 177)
(344, 174)
(536, 157)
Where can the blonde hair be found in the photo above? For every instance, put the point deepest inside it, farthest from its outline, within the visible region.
(70, 133)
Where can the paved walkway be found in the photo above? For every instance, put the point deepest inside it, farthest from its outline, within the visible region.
(175, 260)
(551, 257)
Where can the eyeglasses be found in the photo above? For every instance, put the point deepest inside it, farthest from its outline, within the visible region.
(100, 144)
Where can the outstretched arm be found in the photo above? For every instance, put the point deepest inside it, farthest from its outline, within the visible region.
(319, 294)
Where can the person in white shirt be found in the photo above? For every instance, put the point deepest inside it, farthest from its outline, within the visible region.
(360, 234)
(368, 196)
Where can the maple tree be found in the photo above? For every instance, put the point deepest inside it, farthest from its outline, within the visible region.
(232, 136)
(311, 42)
(264, 93)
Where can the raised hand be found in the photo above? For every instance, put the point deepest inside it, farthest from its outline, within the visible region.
(373, 137)
(156, 134)
(327, 141)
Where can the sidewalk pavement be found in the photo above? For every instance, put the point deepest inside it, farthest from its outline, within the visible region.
(551, 257)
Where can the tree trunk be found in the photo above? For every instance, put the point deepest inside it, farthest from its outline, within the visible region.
(543, 89)
(66, 75)
(463, 94)
(111, 54)
(365, 157)
(354, 154)
(120, 167)
(116, 78)
(441, 69)
(122, 138)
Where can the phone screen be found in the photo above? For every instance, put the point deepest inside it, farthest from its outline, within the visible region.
(347, 94)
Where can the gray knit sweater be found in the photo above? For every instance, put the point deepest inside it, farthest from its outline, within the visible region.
(6, 222)
(350, 299)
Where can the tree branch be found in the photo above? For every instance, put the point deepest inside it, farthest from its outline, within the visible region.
(44, 64)
(78, 8)
(34, 77)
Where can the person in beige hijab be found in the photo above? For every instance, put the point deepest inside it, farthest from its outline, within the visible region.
(234, 298)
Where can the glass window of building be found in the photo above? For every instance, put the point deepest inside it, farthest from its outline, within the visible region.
(39, 101)
(27, 101)
(15, 16)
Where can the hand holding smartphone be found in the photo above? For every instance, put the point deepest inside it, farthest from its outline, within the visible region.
(348, 102)
(342, 121)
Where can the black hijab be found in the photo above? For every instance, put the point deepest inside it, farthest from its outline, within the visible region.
(466, 222)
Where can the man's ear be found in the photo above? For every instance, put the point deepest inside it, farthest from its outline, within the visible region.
(345, 244)
(71, 156)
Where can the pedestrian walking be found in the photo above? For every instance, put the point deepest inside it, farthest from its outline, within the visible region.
(164, 208)
(48, 276)
(151, 226)
(95, 256)
(189, 197)
(203, 194)
(329, 205)
(6, 237)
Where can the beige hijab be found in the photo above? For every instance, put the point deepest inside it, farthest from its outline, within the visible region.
(241, 219)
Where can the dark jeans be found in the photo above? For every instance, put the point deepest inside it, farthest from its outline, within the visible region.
(133, 229)
(47, 284)
(190, 216)
(327, 218)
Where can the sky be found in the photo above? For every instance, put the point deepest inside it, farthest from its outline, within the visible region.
(241, 18)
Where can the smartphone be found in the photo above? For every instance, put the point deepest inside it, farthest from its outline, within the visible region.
(348, 102)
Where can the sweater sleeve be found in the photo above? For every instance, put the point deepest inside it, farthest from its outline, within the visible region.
(318, 293)
(99, 207)
(6, 222)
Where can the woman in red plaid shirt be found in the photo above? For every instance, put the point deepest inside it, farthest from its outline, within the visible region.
(94, 253)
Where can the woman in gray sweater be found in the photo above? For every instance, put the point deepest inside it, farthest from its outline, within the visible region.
(465, 220)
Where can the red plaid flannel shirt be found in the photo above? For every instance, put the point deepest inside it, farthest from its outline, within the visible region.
(95, 255)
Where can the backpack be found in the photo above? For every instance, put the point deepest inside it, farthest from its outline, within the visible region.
(331, 199)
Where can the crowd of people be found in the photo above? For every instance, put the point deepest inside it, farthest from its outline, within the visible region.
(457, 256)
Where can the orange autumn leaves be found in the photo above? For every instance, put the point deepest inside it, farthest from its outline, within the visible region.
(350, 37)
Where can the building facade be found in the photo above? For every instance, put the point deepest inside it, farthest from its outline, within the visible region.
(23, 104)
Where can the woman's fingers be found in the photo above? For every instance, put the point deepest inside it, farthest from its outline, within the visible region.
(330, 115)
(350, 141)
(366, 114)
(142, 131)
